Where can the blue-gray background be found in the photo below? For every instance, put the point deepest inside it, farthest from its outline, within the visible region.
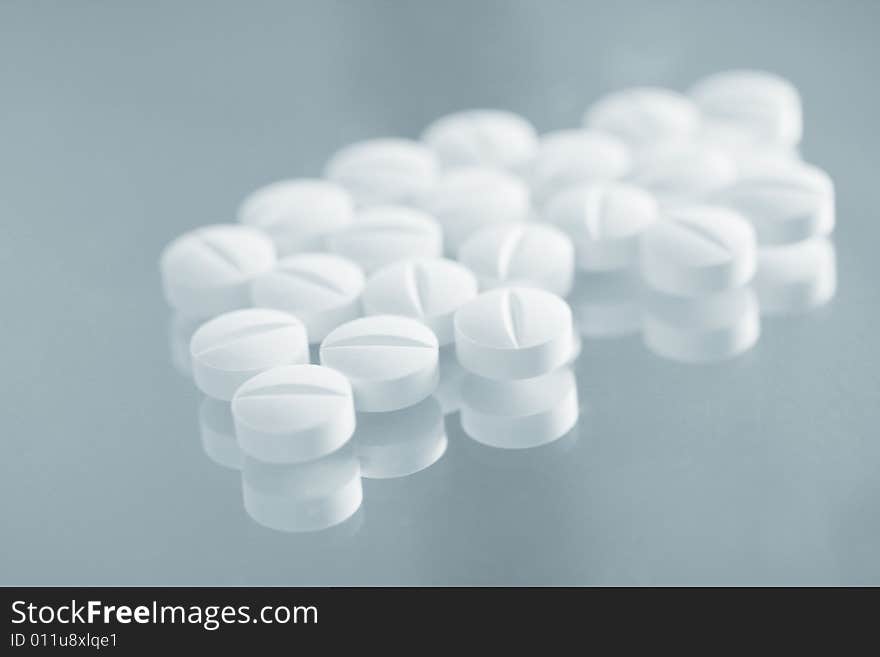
(123, 124)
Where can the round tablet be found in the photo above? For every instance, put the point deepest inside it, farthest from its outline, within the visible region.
(764, 104)
(642, 116)
(740, 145)
(682, 172)
(519, 414)
(796, 278)
(698, 250)
(231, 348)
(217, 431)
(786, 202)
(570, 157)
(391, 361)
(323, 290)
(400, 443)
(303, 497)
(513, 333)
(525, 253)
(427, 289)
(704, 329)
(293, 413)
(482, 137)
(386, 234)
(298, 214)
(382, 171)
(604, 222)
(467, 199)
(208, 271)
(607, 304)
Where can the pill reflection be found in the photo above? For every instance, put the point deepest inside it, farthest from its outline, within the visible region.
(400, 443)
(797, 278)
(606, 304)
(518, 414)
(303, 497)
(704, 329)
(217, 431)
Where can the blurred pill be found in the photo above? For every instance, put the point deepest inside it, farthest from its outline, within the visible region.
(323, 290)
(230, 349)
(217, 431)
(796, 278)
(682, 172)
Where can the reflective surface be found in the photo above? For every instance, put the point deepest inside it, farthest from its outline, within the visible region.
(124, 126)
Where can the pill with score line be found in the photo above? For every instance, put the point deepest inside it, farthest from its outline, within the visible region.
(323, 290)
(427, 289)
(390, 360)
(513, 333)
(208, 271)
(294, 413)
(230, 349)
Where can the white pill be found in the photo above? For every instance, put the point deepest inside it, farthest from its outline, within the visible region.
(700, 330)
(391, 361)
(571, 157)
(298, 214)
(294, 413)
(764, 104)
(323, 290)
(427, 289)
(180, 332)
(747, 154)
(698, 250)
(217, 431)
(448, 392)
(230, 349)
(383, 171)
(526, 253)
(303, 497)
(643, 116)
(513, 333)
(400, 443)
(386, 234)
(683, 172)
(796, 278)
(519, 414)
(208, 271)
(467, 199)
(604, 222)
(607, 304)
(482, 137)
(785, 202)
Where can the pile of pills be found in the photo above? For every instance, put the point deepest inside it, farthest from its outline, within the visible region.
(334, 328)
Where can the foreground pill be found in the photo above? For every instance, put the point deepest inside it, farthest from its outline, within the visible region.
(467, 199)
(705, 329)
(786, 202)
(489, 138)
(298, 214)
(427, 289)
(230, 349)
(383, 171)
(796, 278)
(571, 157)
(765, 105)
(217, 431)
(513, 333)
(293, 413)
(323, 290)
(400, 443)
(526, 253)
(208, 271)
(683, 172)
(643, 116)
(303, 497)
(391, 361)
(386, 234)
(604, 222)
(698, 250)
(519, 414)
(607, 304)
